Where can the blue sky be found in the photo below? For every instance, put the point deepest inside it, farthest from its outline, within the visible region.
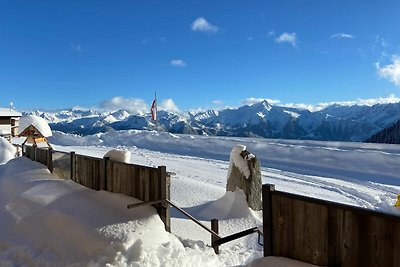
(197, 54)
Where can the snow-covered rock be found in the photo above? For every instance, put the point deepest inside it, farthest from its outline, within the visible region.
(40, 124)
(119, 155)
(245, 173)
(7, 150)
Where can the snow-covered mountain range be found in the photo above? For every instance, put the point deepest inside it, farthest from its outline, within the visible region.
(334, 123)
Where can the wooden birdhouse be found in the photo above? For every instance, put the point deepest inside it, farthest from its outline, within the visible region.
(34, 136)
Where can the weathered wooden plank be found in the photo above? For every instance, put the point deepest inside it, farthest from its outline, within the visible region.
(282, 224)
(137, 183)
(164, 210)
(267, 218)
(153, 185)
(332, 234)
(146, 184)
(396, 246)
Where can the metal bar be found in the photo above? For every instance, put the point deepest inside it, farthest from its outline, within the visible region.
(144, 203)
(235, 236)
(214, 227)
(193, 219)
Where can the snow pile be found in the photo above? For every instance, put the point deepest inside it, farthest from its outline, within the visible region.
(7, 150)
(232, 205)
(119, 155)
(278, 262)
(46, 221)
(40, 124)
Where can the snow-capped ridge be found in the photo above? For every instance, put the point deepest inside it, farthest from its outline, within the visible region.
(335, 122)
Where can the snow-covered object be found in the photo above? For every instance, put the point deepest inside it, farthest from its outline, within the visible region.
(245, 173)
(46, 221)
(7, 150)
(39, 123)
(278, 262)
(240, 162)
(232, 205)
(119, 155)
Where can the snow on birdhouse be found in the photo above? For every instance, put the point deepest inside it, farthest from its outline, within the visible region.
(35, 129)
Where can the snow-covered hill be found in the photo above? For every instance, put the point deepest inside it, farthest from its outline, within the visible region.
(334, 123)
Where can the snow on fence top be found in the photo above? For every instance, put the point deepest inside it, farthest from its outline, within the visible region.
(39, 123)
(119, 155)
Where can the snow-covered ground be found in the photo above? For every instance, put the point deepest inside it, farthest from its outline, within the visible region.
(366, 175)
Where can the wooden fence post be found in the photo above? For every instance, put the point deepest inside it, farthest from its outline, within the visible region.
(267, 218)
(215, 228)
(72, 153)
(164, 194)
(105, 173)
(50, 159)
(35, 153)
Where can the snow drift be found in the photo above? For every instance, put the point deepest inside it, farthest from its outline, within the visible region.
(7, 150)
(46, 221)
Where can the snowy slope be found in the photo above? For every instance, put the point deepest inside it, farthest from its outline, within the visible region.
(365, 175)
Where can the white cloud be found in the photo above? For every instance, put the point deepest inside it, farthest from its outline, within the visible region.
(390, 72)
(271, 33)
(342, 35)
(379, 42)
(287, 37)
(359, 102)
(253, 100)
(202, 25)
(178, 63)
(168, 105)
(134, 105)
(217, 102)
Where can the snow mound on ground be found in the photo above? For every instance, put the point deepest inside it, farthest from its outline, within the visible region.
(40, 124)
(231, 206)
(278, 262)
(119, 155)
(7, 150)
(47, 221)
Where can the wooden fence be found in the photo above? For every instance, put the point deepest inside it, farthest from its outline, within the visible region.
(326, 233)
(141, 182)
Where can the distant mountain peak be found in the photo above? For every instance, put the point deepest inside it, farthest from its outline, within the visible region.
(261, 119)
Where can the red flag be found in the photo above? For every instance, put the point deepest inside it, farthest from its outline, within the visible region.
(153, 110)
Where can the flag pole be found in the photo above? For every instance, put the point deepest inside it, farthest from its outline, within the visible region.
(155, 97)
